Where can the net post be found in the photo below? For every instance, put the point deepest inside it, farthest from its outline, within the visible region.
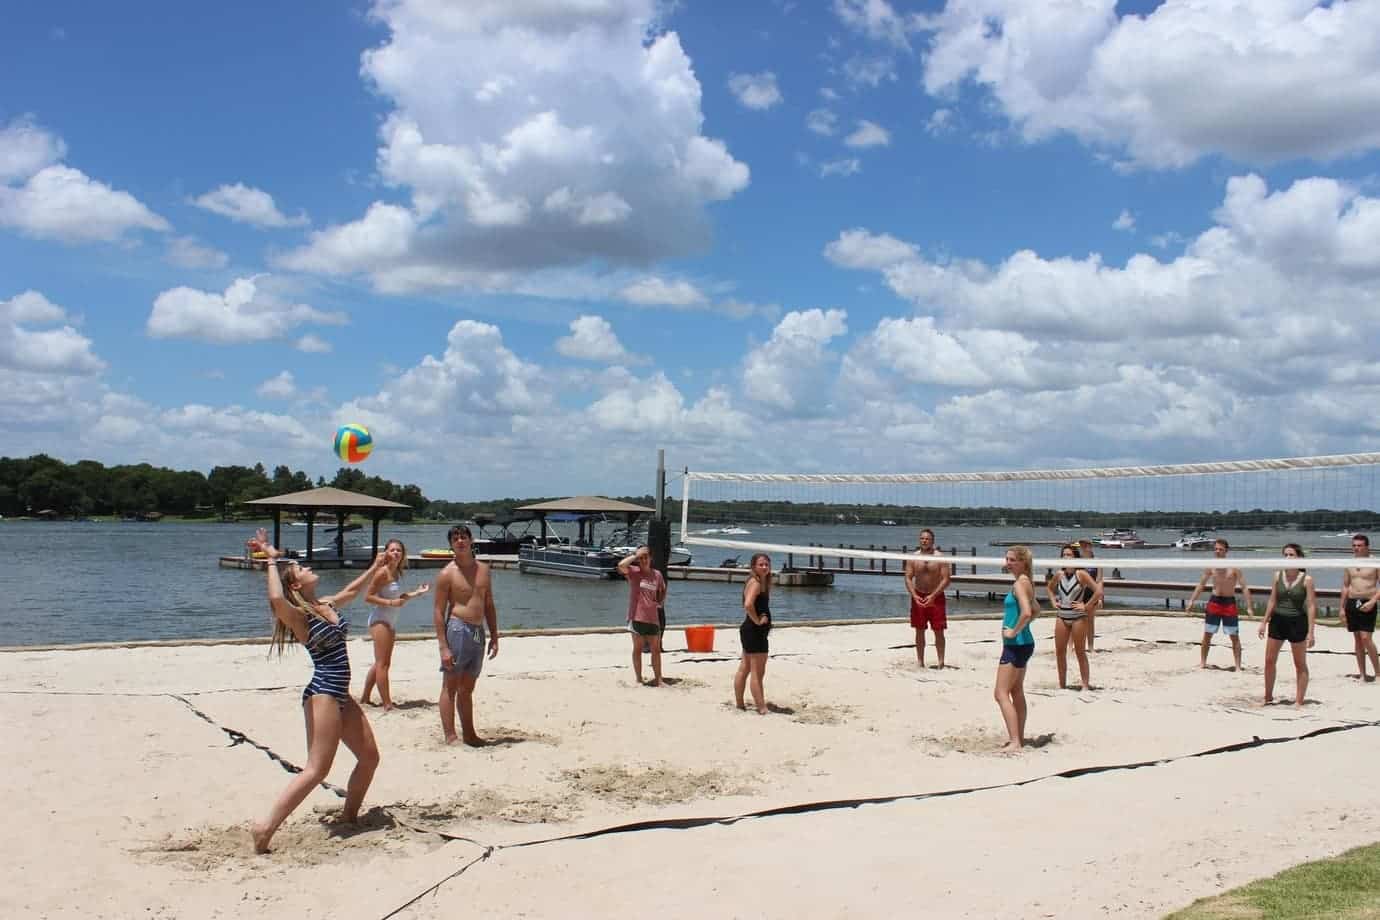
(684, 504)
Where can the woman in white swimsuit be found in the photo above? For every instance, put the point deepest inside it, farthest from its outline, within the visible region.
(388, 597)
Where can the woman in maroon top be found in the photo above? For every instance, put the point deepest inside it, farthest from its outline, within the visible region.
(647, 592)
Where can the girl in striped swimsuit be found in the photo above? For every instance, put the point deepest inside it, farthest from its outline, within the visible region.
(332, 715)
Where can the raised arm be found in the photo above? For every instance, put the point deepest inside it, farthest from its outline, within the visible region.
(351, 591)
(626, 563)
(278, 603)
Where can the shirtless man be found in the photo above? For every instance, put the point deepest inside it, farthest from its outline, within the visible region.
(1220, 609)
(1360, 594)
(464, 604)
(1085, 550)
(925, 582)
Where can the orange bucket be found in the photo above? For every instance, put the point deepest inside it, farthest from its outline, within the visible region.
(699, 638)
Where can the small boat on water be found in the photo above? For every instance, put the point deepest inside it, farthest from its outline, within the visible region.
(351, 543)
(1194, 540)
(1121, 538)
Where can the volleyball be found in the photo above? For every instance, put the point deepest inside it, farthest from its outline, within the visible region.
(353, 443)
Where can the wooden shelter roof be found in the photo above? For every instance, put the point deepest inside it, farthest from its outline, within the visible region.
(588, 504)
(327, 498)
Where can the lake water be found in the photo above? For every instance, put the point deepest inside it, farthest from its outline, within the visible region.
(67, 582)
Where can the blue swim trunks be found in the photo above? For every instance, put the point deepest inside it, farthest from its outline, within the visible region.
(466, 642)
(1017, 655)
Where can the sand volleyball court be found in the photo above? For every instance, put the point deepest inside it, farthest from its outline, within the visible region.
(131, 775)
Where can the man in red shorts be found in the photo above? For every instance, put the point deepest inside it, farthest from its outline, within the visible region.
(1221, 612)
(926, 580)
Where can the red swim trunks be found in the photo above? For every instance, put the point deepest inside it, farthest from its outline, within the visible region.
(932, 615)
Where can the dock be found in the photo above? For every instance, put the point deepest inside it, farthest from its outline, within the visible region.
(786, 579)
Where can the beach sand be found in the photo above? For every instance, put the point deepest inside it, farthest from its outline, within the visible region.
(129, 796)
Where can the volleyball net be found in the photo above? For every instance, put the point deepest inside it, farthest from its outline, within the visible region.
(1146, 516)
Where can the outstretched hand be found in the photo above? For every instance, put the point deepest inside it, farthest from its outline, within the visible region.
(259, 544)
(423, 588)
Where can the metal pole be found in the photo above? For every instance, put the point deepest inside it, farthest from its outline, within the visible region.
(660, 481)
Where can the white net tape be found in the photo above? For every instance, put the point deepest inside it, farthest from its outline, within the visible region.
(1195, 562)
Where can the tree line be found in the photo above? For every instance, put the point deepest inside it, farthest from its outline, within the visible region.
(44, 485)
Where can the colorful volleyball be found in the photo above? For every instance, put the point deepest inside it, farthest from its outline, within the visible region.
(353, 443)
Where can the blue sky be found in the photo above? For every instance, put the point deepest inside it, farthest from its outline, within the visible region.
(529, 242)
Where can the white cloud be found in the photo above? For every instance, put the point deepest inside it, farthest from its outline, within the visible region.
(283, 386)
(246, 205)
(654, 291)
(756, 91)
(822, 121)
(60, 350)
(243, 313)
(45, 199)
(789, 371)
(849, 166)
(655, 404)
(940, 122)
(25, 148)
(581, 144)
(1258, 81)
(870, 70)
(868, 134)
(1124, 221)
(592, 339)
(876, 19)
(858, 248)
(187, 252)
(313, 344)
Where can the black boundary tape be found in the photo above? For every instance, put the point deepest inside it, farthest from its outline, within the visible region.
(836, 804)
(238, 737)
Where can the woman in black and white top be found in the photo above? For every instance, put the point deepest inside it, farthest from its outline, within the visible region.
(1072, 592)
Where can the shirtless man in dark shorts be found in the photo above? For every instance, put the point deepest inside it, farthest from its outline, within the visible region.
(1221, 611)
(464, 605)
(1360, 595)
(925, 582)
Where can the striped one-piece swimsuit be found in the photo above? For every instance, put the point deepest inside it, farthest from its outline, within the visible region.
(326, 646)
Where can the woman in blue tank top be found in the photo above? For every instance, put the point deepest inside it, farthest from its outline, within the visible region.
(1017, 645)
(332, 715)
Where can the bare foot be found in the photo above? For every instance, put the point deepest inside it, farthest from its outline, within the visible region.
(1269, 701)
(475, 741)
(262, 834)
(1012, 746)
(366, 701)
(347, 817)
(741, 705)
(940, 666)
(655, 683)
(451, 739)
(761, 710)
(387, 707)
(1085, 688)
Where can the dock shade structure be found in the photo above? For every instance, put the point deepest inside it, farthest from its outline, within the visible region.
(579, 509)
(337, 503)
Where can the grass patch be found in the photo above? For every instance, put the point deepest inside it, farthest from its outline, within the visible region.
(1346, 887)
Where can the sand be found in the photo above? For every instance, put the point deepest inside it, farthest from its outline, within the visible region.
(125, 802)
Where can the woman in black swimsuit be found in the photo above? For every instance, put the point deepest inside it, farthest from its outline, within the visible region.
(333, 716)
(753, 633)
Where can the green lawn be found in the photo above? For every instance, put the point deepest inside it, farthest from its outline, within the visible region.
(1346, 887)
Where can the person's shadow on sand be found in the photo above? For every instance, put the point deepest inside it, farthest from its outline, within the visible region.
(780, 710)
(372, 821)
